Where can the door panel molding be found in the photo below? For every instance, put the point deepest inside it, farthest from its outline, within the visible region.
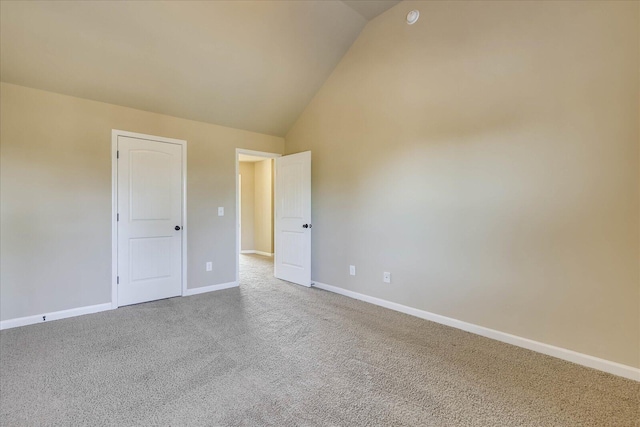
(115, 133)
(292, 212)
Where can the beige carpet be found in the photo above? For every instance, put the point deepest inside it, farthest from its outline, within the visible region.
(273, 353)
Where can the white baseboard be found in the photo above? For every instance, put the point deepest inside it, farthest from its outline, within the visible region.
(56, 315)
(202, 290)
(251, 251)
(550, 350)
(73, 312)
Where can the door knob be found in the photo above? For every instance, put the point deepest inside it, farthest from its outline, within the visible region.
(306, 226)
(177, 228)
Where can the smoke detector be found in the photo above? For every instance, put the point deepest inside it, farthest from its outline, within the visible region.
(412, 17)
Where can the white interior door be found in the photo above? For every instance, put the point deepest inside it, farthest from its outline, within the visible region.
(149, 220)
(293, 218)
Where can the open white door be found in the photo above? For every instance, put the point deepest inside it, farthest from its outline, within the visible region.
(149, 226)
(292, 200)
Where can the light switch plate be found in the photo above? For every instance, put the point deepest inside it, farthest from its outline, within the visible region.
(220, 211)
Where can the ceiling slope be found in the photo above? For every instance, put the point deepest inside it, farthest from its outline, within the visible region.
(252, 65)
(369, 9)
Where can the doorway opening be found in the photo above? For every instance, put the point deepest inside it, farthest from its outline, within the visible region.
(255, 209)
(289, 213)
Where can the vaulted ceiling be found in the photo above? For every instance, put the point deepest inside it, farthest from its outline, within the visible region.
(252, 65)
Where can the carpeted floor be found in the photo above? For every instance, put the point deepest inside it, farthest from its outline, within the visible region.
(273, 353)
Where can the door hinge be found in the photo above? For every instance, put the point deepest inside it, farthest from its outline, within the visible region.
(117, 280)
(118, 217)
(118, 154)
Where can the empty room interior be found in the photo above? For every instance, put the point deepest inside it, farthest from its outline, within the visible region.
(320, 213)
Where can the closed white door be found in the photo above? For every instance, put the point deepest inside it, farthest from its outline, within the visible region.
(149, 220)
(293, 218)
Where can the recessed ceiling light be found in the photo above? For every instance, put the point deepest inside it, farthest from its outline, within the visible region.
(412, 17)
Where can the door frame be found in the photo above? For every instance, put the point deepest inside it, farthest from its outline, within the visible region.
(266, 155)
(115, 133)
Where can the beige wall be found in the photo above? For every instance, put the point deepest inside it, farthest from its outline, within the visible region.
(247, 231)
(264, 206)
(487, 156)
(55, 165)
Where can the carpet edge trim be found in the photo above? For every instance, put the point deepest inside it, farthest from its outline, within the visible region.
(593, 362)
(54, 315)
(91, 309)
(210, 288)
